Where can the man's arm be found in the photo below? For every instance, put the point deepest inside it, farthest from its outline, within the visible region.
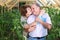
(46, 25)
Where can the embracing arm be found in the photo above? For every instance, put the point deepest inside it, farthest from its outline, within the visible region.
(45, 24)
(26, 27)
(30, 27)
(33, 24)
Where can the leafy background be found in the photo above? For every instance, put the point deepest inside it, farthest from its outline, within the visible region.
(11, 27)
(10, 24)
(54, 33)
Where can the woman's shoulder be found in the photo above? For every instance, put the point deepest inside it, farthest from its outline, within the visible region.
(23, 18)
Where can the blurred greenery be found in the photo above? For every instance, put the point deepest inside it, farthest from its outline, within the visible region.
(54, 33)
(10, 24)
(11, 27)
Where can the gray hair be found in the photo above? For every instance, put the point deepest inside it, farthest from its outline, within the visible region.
(37, 4)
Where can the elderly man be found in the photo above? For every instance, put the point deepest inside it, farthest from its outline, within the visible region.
(42, 21)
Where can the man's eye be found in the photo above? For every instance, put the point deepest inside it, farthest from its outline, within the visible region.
(32, 8)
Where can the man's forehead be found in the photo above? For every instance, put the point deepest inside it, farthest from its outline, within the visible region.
(33, 6)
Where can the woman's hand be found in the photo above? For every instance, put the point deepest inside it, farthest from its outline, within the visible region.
(33, 24)
(26, 27)
(31, 29)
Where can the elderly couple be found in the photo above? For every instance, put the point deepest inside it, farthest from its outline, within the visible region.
(38, 22)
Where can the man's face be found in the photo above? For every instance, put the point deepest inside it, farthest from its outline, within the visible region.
(35, 9)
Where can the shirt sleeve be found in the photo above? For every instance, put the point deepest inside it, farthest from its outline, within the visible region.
(30, 19)
(23, 21)
(48, 20)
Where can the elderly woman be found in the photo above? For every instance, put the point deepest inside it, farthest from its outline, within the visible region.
(26, 12)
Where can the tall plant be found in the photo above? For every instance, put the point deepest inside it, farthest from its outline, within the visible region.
(54, 33)
(10, 24)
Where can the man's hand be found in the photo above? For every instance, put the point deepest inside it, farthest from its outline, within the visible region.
(46, 25)
(38, 20)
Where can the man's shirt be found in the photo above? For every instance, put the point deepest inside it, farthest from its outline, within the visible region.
(40, 30)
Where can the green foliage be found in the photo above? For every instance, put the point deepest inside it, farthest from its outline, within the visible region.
(11, 27)
(10, 24)
(54, 33)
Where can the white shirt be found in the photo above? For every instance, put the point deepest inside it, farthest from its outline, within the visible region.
(40, 31)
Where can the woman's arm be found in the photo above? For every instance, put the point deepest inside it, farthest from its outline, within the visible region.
(26, 27)
(33, 24)
(30, 27)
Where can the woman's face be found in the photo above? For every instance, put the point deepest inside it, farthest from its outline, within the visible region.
(29, 12)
